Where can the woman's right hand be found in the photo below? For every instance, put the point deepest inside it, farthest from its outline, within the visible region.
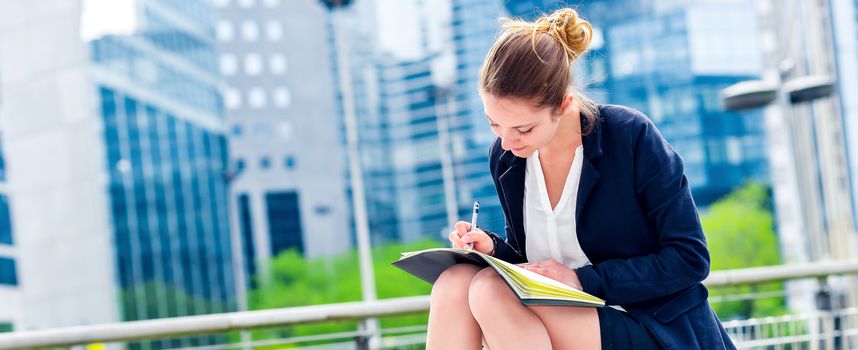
(463, 235)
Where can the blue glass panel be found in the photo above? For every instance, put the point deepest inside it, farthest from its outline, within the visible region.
(5, 221)
(284, 221)
(2, 163)
(8, 272)
(246, 226)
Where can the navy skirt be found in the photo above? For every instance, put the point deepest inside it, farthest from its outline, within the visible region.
(621, 331)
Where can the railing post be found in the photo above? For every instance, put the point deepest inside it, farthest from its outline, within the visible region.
(363, 340)
(827, 305)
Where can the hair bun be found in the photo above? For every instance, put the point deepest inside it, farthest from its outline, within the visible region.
(565, 25)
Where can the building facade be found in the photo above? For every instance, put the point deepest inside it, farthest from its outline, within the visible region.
(287, 189)
(117, 150)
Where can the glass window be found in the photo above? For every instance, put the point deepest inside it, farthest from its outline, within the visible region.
(285, 130)
(5, 221)
(256, 98)
(284, 221)
(734, 150)
(2, 166)
(274, 30)
(289, 162)
(232, 98)
(247, 242)
(282, 97)
(236, 130)
(261, 131)
(277, 64)
(252, 64)
(8, 273)
(264, 162)
(225, 31)
(249, 30)
(228, 64)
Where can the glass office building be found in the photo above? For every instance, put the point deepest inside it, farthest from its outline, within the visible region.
(166, 160)
(117, 156)
(474, 26)
(405, 113)
(670, 60)
(287, 186)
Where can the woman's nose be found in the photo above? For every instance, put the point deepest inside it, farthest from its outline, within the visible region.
(507, 140)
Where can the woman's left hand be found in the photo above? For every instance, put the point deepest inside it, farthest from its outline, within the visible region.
(554, 270)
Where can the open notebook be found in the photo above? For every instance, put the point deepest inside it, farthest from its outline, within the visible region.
(532, 288)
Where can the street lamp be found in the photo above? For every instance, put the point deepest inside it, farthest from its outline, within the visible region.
(370, 325)
(754, 94)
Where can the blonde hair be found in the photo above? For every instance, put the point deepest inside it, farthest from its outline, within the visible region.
(533, 61)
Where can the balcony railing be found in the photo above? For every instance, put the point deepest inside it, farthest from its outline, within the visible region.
(832, 329)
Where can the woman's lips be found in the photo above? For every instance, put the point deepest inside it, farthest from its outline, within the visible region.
(519, 149)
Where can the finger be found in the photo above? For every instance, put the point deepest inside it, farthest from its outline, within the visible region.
(536, 269)
(479, 237)
(454, 239)
(463, 227)
(472, 237)
(467, 238)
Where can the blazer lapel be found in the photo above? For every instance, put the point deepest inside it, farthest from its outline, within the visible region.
(589, 174)
(589, 177)
(512, 187)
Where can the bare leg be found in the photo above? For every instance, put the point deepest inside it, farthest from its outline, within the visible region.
(451, 324)
(505, 321)
(570, 327)
(509, 324)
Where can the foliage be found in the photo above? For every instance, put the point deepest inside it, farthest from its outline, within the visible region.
(740, 233)
(296, 281)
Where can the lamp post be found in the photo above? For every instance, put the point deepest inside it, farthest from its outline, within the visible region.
(752, 94)
(444, 110)
(367, 275)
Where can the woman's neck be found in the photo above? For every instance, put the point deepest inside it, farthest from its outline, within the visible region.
(568, 136)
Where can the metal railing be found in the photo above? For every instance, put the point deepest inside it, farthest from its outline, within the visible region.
(239, 321)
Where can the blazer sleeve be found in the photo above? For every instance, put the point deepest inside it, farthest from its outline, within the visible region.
(503, 250)
(681, 259)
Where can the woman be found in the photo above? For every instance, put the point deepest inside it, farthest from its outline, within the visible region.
(594, 197)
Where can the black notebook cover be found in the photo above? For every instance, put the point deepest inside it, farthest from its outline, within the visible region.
(429, 265)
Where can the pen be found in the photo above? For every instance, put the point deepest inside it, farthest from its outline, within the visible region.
(474, 221)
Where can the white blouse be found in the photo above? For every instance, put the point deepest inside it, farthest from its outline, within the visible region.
(551, 233)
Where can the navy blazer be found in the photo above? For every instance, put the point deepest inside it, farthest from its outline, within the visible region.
(636, 222)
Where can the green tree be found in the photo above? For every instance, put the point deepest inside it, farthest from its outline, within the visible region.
(296, 281)
(740, 233)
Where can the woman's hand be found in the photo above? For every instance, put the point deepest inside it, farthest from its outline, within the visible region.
(463, 235)
(556, 271)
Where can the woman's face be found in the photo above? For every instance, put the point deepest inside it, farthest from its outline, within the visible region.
(522, 127)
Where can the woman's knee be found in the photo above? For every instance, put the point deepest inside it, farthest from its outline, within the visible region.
(486, 290)
(453, 283)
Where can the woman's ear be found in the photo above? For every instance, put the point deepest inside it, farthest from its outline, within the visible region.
(567, 103)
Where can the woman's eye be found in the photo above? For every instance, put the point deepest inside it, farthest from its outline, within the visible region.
(525, 132)
(493, 125)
